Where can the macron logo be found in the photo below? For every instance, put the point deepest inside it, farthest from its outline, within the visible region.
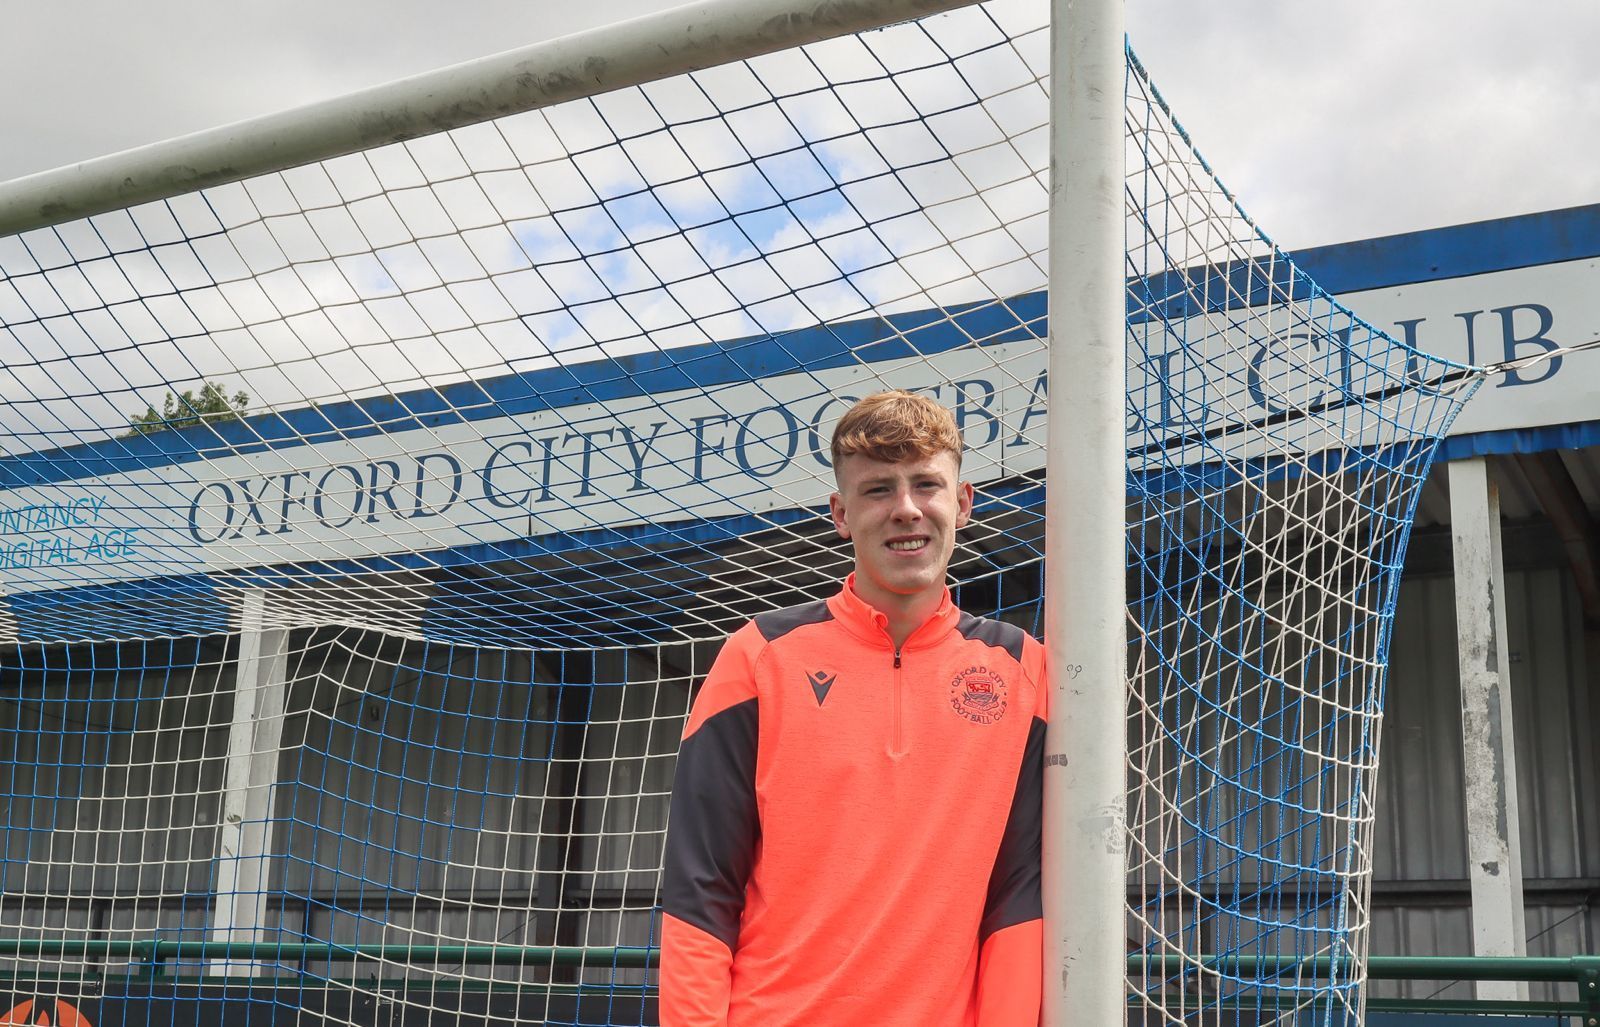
(821, 681)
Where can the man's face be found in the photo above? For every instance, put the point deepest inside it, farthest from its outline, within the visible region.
(901, 519)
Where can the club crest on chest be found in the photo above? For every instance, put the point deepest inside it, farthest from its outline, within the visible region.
(978, 694)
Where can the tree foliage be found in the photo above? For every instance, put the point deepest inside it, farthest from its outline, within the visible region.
(181, 410)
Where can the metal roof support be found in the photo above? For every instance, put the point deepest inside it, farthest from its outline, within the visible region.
(1561, 501)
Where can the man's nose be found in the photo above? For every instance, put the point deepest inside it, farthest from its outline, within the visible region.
(905, 506)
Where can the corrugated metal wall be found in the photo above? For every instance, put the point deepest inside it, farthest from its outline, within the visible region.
(522, 795)
(425, 794)
(1421, 899)
(109, 774)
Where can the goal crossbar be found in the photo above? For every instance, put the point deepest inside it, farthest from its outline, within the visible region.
(654, 46)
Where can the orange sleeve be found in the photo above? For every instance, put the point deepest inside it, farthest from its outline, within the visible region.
(695, 976)
(1010, 976)
(713, 834)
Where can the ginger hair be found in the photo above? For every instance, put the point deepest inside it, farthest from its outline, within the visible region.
(894, 426)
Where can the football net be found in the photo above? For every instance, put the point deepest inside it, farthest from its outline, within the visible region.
(365, 527)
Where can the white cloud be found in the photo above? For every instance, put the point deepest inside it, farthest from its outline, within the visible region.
(1346, 121)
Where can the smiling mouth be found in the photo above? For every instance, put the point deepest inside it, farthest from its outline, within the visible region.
(909, 545)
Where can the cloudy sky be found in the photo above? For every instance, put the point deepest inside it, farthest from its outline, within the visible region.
(1331, 122)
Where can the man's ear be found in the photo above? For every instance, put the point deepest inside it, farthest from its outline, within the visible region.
(836, 508)
(964, 497)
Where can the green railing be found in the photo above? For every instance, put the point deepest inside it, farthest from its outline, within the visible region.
(1581, 971)
(149, 957)
(330, 952)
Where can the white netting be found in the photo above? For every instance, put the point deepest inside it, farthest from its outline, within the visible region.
(366, 526)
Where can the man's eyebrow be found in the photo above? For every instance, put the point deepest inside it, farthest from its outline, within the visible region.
(890, 479)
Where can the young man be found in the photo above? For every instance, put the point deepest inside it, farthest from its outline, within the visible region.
(854, 836)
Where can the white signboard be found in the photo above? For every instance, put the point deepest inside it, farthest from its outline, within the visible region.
(716, 452)
(1506, 315)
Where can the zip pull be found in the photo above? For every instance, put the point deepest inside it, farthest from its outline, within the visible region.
(897, 659)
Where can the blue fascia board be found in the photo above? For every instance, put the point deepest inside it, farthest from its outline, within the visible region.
(1482, 247)
(1521, 440)
(1458, 251)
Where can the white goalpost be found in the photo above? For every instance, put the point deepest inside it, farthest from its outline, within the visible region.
(378, 480)
(1085, 597)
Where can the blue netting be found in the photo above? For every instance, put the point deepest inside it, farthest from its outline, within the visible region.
(1277, 449)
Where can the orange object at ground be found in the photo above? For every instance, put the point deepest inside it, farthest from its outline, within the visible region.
(854, 834)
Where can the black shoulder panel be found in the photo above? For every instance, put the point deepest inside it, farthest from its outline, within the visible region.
(713, 826)
(778, 623)
(995, 633)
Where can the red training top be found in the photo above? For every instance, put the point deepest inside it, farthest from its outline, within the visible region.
(854, 834)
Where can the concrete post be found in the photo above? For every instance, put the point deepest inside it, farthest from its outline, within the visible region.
(244, 829)
(1494, 850)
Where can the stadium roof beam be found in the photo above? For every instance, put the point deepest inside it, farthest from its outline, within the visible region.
(1558, 495)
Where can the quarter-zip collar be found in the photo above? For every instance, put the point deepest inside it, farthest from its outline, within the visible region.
(871, 625)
